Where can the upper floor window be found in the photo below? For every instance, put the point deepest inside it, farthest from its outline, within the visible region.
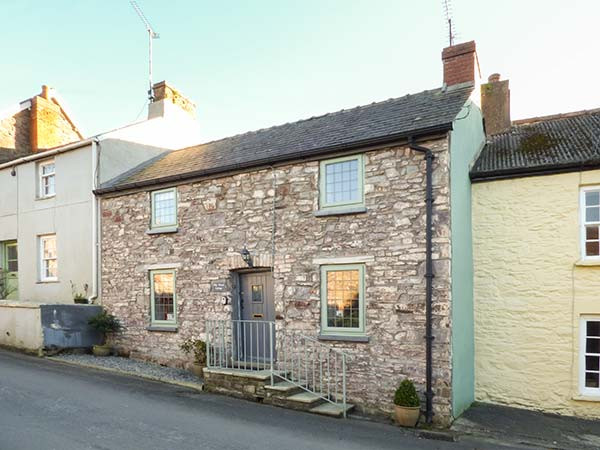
(589, 350)
(341, 182)
(48, 259)
(164, 208)
(342, 299)
(46, 175)
(590, 220)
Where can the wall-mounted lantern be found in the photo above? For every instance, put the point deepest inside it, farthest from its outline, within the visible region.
(246, 256)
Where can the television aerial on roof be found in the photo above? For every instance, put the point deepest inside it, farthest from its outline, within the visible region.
(447, 4)
(151, 35)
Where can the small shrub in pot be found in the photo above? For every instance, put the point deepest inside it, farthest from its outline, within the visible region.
(106, 324)
(407, 404)
(198, 348)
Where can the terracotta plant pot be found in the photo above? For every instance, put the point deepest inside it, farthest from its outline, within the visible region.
(407, 416)
(197, 369)
(101, 350)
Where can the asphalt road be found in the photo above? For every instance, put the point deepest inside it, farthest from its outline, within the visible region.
(48, 405)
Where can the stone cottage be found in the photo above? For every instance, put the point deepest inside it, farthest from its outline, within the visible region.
(310, 235)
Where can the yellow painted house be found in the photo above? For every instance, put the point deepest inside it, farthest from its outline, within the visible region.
(536, 244)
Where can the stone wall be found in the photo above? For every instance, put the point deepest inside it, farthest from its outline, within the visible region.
(218, 216)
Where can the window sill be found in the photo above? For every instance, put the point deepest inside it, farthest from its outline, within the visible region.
(588, 262)
(165, 328)
(162, 230)
(47, 281)
(48, 197)
(341, 337)
(340, 211)
(586, 398)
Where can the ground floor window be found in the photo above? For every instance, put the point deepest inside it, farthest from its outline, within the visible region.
(48, 259)
(342, 299)
(162, 293)
(589, 371)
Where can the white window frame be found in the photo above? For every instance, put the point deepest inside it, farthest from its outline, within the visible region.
(43, 259)
(153, 224)
(164, 323)
(342, 331)
(583, 390)
(583, 222)
(42, 177)
(323, 204)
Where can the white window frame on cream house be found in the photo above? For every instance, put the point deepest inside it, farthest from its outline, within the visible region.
(45, 259)
(584, 354)
(46, 180)
(157, 225)
(591, 225)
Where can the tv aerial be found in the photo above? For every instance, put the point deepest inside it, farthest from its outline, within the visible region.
(151, 35)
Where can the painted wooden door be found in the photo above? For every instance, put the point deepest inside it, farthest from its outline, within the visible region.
(257, 310)
(10, 267)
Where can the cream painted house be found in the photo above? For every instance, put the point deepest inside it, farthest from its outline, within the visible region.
(49, 248)
(536, 219)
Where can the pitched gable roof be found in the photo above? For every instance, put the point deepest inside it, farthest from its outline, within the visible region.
(564, 142)
(417, 114)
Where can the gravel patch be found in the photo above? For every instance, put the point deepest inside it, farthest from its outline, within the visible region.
(132, 367)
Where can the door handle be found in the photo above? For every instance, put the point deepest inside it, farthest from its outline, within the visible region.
(257, 316)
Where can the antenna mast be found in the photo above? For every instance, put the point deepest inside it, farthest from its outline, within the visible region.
(448, 13)
(151, 35)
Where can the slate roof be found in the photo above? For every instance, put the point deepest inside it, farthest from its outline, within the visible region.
(565, 142)
(412, 115)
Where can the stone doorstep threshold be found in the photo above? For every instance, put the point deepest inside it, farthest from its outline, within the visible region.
(261, 375)
(196, 386)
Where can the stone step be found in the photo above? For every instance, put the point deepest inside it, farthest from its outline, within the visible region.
(330, 409)
(284, 387)
(307, 398)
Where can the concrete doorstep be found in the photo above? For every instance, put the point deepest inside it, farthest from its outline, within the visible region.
(520, 427)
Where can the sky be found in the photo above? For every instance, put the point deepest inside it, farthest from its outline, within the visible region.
(251, 64)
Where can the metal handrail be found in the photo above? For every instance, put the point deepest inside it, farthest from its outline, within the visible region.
(301, 360)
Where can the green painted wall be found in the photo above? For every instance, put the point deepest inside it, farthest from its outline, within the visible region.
(466, 140)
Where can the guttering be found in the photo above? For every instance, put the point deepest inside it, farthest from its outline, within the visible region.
(46, 154)
(503, 174)
(428, 276)
(266, 162)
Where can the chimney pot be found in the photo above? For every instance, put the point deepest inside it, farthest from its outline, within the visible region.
(45, 92)
(493, 78)
(166, 97)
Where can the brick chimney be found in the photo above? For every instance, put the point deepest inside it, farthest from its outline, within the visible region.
(459, 63)
(168, 101)
(50, 124)
(495, 105)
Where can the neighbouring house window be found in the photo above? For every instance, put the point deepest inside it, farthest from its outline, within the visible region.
(48, 260)
(163, 304)
(341, 182)
(342, 299)
(589, 369)
(164, 208)
(46, 179)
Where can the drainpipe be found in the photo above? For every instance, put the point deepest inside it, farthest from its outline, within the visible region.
(428, 275)
(95, 219)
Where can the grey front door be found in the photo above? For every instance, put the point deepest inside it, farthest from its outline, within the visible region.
(257, 310)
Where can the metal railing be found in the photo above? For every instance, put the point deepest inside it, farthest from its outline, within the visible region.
(290, 356)
(240, 344)
(312, 366)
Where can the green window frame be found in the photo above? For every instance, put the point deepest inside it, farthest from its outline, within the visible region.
(160, 305)
(160, 209)
(356, 326)
(341, 182)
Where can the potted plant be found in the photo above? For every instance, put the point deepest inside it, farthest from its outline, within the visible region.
(79, 297)
(198, 348)
(406, 404)
(106, 324)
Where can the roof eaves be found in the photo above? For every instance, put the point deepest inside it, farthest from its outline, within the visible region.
(283, 158)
